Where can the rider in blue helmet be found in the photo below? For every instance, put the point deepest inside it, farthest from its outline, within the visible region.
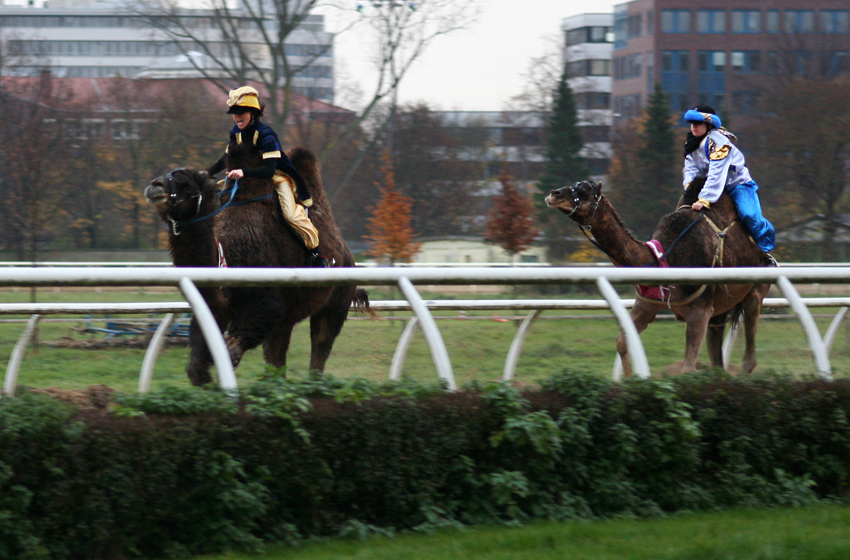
(710, 152)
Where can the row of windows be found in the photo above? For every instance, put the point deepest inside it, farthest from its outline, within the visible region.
(592, 34)
(769, 62)
(754, 21)
(589, 67)
(93, 48)
(629, 106)
(77, 71)
(135, 48)
(194, 22)
(592, 100)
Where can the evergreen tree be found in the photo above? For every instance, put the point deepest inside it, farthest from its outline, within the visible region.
(647, 173)
(563, 166)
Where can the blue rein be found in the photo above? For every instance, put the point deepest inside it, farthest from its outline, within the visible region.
(230, 202)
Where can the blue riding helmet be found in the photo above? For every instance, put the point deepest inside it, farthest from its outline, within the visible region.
(692, 115)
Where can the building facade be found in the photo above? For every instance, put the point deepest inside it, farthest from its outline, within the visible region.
(704, 51)
(86, 39)
(588, 43)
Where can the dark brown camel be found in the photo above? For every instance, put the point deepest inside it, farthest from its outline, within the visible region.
(252, 233)
(703, 308)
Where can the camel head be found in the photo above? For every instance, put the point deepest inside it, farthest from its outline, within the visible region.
(578, 201)
(179, 194)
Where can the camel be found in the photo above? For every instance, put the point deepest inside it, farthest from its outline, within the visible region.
(248, 230)
(715, 239)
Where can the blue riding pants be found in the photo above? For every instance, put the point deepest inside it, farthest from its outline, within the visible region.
(746, 200)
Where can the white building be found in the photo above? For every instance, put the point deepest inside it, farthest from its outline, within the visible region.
(589, 42)
(98, 39)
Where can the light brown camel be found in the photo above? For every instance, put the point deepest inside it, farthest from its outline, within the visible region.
(716, 239)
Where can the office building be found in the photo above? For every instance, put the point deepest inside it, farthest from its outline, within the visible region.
(88, 39)
(722, 54)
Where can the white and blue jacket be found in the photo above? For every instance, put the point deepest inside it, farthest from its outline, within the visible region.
(720, 162)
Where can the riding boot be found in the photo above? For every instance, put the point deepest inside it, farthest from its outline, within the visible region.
(318, 260)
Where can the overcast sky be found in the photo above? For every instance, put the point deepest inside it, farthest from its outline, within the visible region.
(478, 69)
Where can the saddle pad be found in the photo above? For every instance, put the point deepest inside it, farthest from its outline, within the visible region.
(655, 292)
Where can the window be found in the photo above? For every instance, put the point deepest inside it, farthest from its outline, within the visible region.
(746, 61)
(593, 100)
(675, 61)
(597, 34)
(772, 21)
(634, 26)
(675, 21)
(835, 62)
(628, 67)
(746, 21)
(835, 21)
(799, 21)
(744, 101)
(711, 61)
(594, 67)
(711, 21)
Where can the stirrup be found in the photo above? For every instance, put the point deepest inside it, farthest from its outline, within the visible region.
(770, 260)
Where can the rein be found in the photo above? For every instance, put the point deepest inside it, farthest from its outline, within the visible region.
(230, 203)
(586, 228)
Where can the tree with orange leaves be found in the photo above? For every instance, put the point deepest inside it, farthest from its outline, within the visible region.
(511, 222)
(389, 227)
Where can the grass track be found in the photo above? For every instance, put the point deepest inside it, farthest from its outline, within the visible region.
(477, 348)
(812, 533)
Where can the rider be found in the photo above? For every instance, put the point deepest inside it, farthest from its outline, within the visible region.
(710, 152)
(294, 197)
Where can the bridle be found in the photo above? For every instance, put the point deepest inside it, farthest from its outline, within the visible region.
(172, 195)
(577, 203)
(229, 191)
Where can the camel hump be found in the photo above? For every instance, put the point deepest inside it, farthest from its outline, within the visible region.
(308, 167)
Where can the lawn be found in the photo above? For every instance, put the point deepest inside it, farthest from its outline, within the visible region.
(811, 533)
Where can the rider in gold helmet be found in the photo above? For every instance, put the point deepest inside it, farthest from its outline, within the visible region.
(294, 197)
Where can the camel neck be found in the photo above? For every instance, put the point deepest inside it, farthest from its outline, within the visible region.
(616, 240)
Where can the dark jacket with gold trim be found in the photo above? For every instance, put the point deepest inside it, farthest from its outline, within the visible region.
(274, 158)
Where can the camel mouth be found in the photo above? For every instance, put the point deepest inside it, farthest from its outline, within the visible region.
(155, 195)
(553, 201)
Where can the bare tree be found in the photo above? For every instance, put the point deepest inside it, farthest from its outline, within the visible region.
(803, 156)
(233, 45)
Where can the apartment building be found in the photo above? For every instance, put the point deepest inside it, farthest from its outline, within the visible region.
(718, 53)
(100, 39)
(588, 43)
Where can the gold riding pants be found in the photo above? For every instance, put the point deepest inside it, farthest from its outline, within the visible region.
(295, 213)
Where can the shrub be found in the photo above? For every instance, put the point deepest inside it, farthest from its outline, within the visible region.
(193, 471)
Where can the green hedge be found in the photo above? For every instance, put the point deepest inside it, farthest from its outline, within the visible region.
(185, 472)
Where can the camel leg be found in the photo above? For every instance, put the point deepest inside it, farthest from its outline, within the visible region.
(200, 359)
(325, 326)
(714, 339)
(752, 311)
(256, 313)
(696, 327)
(643, 313)
(276, 345)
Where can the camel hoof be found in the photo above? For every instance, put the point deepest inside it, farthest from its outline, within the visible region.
(198, 376)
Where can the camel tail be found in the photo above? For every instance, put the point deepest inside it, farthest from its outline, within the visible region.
(307, 165)
(361, 302)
